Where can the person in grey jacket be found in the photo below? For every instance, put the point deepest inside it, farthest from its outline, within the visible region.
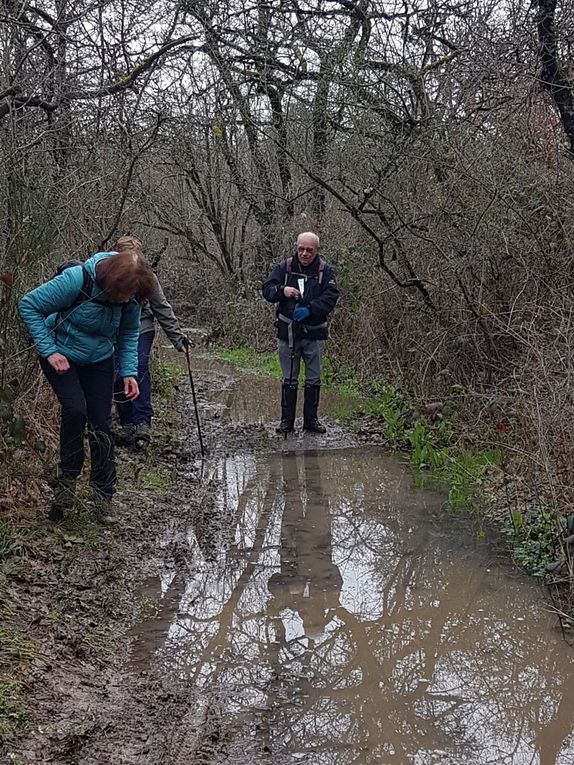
(135, 416)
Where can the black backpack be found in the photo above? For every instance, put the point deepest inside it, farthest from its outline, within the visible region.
(85, 292)
(289, 271)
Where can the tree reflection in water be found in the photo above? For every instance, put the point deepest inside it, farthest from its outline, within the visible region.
(338, 623)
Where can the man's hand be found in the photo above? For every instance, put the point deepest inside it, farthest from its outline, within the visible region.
(59, 363)
(131, 388)
(300, 314)
(291, 292)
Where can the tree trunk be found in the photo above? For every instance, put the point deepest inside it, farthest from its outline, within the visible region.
(552, 75)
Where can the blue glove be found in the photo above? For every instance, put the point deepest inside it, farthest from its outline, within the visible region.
(300, 314)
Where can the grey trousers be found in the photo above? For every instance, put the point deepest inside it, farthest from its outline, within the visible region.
(311, 351)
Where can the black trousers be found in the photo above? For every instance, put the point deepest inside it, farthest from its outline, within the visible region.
(85, 396)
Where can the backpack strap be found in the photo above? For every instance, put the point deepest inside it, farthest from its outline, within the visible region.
(288, 269)
(321, 270)
(85, 292)
(83, 295)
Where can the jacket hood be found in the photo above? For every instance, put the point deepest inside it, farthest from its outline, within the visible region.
(90, 264)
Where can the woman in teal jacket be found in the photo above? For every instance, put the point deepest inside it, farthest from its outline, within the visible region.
(77, 320)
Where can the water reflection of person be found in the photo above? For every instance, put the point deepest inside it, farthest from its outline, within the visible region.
(308, 582)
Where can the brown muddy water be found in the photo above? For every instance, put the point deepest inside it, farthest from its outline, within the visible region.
(338, 615)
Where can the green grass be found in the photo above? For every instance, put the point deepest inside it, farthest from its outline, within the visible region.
(79, 526)
(99, 639)
(13, 716)
(10, 541)
(534, 538)
(13, 545)
(16, 653)
(250, 360)
(156, 479)
(340, 378)
(429, 444)
(148, 608)
(381, 401)
(164, 375)
(463, 474)
(461, 471)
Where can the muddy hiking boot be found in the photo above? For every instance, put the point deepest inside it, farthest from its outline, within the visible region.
(64, 496)
(288, 407)
(103, 509)
(126, 434)
(310, 406)
(141, 435)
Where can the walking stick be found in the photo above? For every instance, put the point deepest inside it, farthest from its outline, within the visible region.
(290, 380)
(292, 344)
(194, 401)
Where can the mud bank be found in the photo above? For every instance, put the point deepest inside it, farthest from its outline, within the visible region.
(70, 601)
(287, 601)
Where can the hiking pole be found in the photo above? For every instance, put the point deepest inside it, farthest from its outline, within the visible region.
(194, 401)
(290, 379)
(292, 345)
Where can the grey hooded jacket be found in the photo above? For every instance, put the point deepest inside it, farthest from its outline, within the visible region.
(157, 307)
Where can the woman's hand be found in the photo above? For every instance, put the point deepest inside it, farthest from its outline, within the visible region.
(59, 363)
(131, 388)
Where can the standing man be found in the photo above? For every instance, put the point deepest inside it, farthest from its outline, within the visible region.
(305, 291)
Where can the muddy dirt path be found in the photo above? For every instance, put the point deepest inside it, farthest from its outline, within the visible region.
(288, 602)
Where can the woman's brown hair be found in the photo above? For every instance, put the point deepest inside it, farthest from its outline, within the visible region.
(124, 276)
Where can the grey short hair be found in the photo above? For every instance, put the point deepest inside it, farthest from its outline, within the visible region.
(312, 235)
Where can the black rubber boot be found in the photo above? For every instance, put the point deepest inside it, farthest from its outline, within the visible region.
(288, 407)
(310, 421)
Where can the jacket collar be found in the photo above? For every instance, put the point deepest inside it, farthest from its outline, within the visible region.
(312, 268)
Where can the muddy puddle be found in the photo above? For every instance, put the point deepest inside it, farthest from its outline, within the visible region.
(328, 612)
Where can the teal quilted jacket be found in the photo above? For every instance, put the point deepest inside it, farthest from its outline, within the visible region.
(89, 332)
